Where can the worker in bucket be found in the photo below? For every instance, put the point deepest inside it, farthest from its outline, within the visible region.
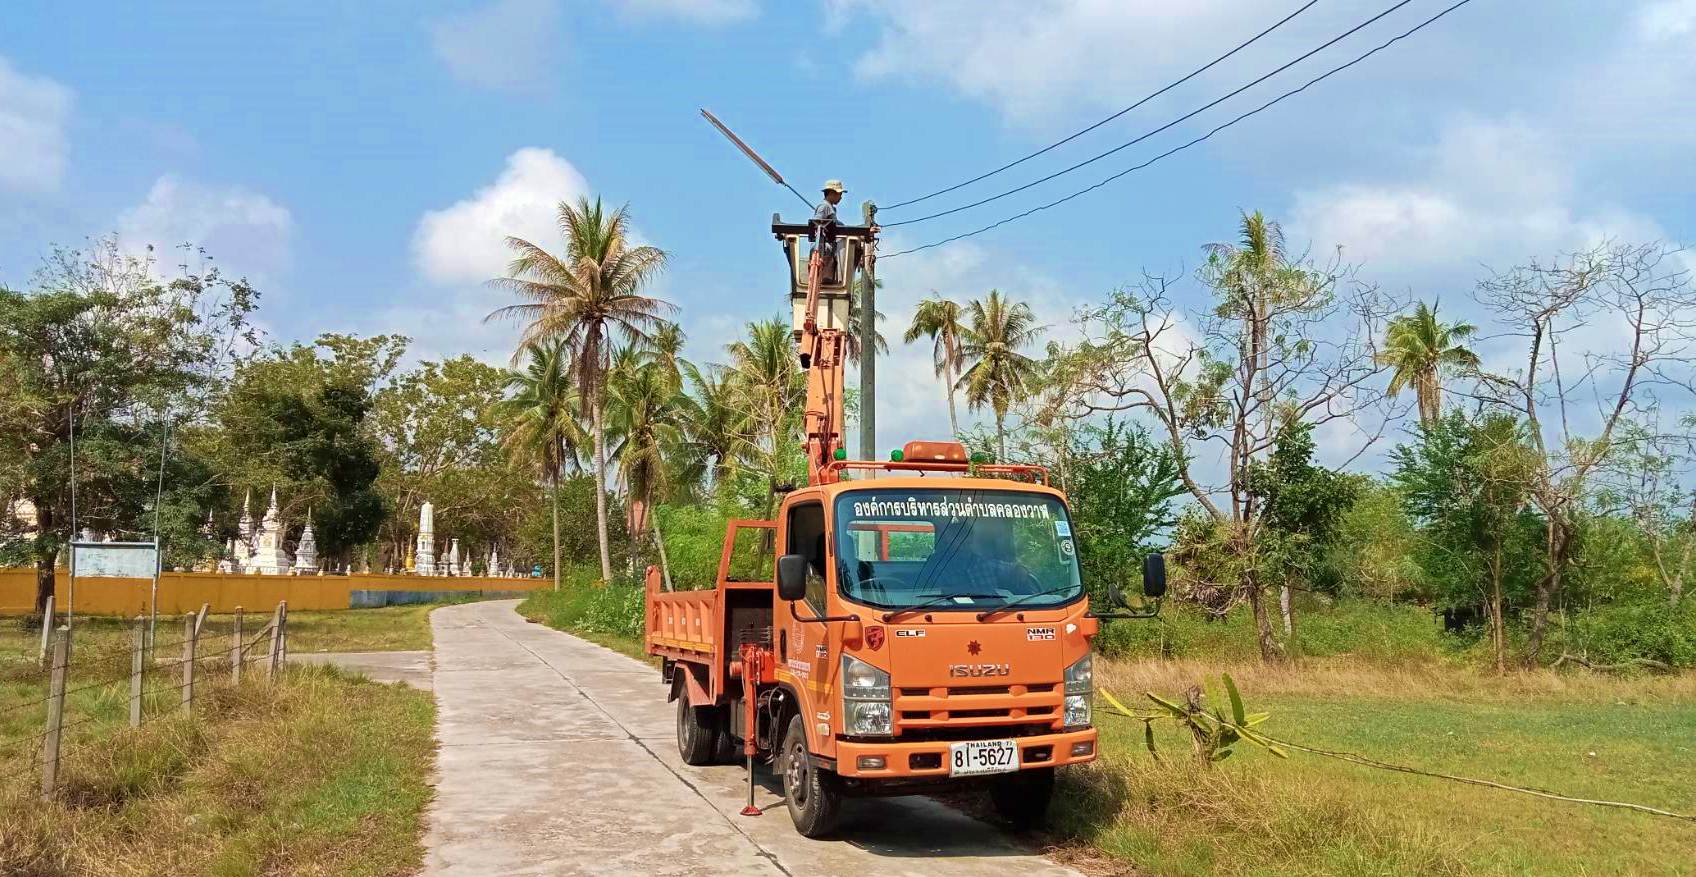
(825, 218)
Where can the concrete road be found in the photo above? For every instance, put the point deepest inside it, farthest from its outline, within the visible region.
(560, 757)
(411, 668)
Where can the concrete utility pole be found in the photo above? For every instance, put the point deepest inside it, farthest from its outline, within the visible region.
(868, 345)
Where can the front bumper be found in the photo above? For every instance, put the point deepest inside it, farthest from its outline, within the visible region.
(929, 758)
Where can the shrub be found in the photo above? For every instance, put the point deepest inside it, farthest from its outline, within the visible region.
(1633, 632)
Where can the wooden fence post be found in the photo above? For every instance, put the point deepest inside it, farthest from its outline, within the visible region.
(46, 631)
(191, 636)
(137, 663)
(276, 643)
(236, 653)
(283, 657)
(55, 713)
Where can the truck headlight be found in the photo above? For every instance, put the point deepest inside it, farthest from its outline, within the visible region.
(1080, 687)
(865, 699)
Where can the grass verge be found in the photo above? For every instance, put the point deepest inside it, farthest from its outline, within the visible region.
(601, 614)
(1577, 734)
(319, 774)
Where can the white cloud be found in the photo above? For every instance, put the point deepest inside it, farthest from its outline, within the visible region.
(1667, 20)
(698, 11)
(33, 113)
(1031, 60)
(240, 228)
(912, 404)
(505, 44)
(466, 242)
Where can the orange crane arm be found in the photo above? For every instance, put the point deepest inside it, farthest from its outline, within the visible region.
(822, 352)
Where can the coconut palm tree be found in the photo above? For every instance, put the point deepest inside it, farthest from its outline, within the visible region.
(714, 419)
(1419, 349)
(940, 320)
(644, 410)
(541, 417)
(591, 298)
(996, 374)
(771, 388)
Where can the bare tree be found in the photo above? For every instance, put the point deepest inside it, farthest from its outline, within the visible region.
(1630, 312)
(1286, 342)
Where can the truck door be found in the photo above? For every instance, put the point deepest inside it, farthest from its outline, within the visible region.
(804, 648)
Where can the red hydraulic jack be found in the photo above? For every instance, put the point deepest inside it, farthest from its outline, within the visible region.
(755, 661)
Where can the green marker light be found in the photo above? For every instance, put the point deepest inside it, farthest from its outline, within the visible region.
(841, 454)
(897, 455)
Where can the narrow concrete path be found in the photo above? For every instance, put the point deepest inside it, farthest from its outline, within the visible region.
(560, 757)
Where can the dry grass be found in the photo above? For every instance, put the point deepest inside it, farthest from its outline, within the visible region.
(319, 775)
(1422, 680)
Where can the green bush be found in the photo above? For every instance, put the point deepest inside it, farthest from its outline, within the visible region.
(1632, 632)
(1372, 629)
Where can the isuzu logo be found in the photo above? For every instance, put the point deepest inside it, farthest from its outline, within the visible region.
(977, 670)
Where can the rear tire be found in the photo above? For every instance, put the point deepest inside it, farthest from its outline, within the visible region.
(697, 732)
(1022, 798)
(813, 794)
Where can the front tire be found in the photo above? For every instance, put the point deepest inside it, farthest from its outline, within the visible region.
(697, 732)
(812, 793)
(1022, 798)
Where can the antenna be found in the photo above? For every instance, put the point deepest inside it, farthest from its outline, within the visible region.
(754, 156)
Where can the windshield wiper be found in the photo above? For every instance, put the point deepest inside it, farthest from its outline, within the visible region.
(929, 604)
(985, 614)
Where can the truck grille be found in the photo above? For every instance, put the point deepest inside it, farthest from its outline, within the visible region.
(1001, 707)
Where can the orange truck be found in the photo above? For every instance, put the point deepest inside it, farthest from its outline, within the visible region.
(907, 625)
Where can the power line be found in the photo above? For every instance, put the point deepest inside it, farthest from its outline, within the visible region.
(1052, 146)
(1184, 118)
(1291, 93)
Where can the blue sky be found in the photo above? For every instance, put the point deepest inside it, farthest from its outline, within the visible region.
(360, 161)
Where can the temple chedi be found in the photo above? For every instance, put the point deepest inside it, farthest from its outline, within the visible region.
(426, 549)
(268, 558)
(306, 553)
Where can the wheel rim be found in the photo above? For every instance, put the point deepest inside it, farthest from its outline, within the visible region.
(795, 774)
(683, 735)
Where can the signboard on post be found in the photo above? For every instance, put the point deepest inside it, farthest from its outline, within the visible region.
(123, 560)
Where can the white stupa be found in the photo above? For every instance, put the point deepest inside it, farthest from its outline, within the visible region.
(242, 550)
(426, 562)
(306, 553)
(453, 558)
(494, 567)
(269, 559)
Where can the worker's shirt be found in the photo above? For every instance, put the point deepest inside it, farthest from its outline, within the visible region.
(825, 213)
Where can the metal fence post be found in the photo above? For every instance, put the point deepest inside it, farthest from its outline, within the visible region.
(55, 713)
(276, 643)
(137, 663)
(236, 653)
(191, 636)
(46, 632)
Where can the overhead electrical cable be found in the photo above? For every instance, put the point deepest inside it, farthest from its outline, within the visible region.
(1291, 93)
(1184, 118)
(1058, 143)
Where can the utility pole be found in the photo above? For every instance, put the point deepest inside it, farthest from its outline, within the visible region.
(868, 344)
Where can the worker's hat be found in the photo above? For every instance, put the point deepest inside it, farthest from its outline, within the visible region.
(834, 186)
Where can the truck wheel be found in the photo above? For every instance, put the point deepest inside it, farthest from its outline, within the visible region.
(812, 793)
(1022, 798)
(697, 732)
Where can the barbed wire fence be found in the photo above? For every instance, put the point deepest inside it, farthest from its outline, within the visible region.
(158, 686)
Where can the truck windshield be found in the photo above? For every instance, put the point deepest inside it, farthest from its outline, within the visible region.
(958, 548)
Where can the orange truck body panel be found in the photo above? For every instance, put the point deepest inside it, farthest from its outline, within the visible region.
(933, 704)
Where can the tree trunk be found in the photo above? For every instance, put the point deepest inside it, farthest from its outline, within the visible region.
(1000, 437)
(601, 486)
(659, 542)
(557, 571)
(1284, 610)
(1270, 650)
(1498, 625)
(1555, 560)
(45, 561)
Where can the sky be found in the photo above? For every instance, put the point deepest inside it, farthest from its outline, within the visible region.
(360, 163)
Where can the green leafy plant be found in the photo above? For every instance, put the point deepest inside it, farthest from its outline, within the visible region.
(1213, 733)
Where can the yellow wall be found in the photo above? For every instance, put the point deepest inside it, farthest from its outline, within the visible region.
(186, 591)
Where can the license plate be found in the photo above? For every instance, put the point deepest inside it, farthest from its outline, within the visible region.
(983, 756)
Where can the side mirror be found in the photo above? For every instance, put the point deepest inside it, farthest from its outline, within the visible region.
(792, 576)
(1154, 575)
